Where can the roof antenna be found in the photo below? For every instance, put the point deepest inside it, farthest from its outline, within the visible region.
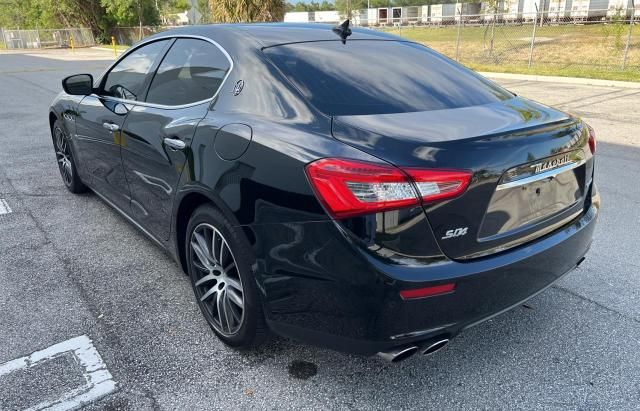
(343, 30)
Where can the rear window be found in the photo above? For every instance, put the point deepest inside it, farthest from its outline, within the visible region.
(380, 77)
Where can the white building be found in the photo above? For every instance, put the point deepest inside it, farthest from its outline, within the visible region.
(513, 9)
(622, 8)
(326, 16)
(589, 9)
(365, 17)
(297, 17)
(530, 8)
(435, 15)
(312, 16)
(559, 9)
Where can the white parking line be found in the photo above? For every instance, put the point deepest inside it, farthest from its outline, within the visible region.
(4, 207)
(99, 379)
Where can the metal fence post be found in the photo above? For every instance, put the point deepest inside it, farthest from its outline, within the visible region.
(3, 40)
(493, 29)
(458, 35)
(626, 48)
(533, 37)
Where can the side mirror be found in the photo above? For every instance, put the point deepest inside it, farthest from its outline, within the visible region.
(78, 85)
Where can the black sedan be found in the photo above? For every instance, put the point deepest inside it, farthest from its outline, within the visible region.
(345, 188)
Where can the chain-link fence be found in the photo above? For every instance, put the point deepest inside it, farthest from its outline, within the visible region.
(130, 35)
(54, 38)
(572, 41)
(552, 40)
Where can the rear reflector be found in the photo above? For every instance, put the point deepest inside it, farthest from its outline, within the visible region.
(427, 291)
(592, 139)
(349, 188)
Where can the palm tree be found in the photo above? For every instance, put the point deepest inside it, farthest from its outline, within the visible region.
(236, 11)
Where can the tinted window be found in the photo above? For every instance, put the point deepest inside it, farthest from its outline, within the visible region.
(379, 77)
(191, 71)
(127, 79)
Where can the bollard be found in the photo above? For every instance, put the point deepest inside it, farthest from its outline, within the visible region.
(113, 43)
(72, 43)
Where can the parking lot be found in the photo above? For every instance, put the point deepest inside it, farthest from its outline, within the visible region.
(91, 311)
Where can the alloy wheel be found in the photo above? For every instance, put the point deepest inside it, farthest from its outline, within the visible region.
(63, 155)
(217, 281)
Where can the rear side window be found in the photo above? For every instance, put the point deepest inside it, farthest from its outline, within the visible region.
(127, 79)
(192, 71)
(380, 77)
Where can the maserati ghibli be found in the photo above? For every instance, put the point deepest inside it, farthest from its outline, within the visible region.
(341, 187)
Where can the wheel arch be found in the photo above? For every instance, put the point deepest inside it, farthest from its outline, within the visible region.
(52, 119)
(187, 203)
(55, 115)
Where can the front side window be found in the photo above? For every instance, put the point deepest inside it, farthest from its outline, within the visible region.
(192, 71)
(127, 79)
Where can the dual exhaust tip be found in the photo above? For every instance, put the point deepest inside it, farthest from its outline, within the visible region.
(402, 353)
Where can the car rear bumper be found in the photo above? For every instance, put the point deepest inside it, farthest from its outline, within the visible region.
(339, 297)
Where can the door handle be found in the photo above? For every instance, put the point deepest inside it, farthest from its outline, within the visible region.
(175, 143)
(111, 126)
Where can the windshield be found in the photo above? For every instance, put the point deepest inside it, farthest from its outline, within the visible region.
(380, 77)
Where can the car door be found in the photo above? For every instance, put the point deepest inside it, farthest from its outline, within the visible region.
(158, 132)
(101, 117)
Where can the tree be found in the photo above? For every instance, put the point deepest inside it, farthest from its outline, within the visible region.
(236, 11)
(132, 12)
(204, 10)
(311, 6)
(18, 13)
(345, 7)
(52, 14)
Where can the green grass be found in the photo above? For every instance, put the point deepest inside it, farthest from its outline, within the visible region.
(542, 70)
(590, 51)
(119, 47)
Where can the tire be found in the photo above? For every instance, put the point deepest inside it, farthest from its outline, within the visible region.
(222, 279)
(65, 160)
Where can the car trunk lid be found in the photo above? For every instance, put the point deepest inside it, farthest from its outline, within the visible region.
(528, 163)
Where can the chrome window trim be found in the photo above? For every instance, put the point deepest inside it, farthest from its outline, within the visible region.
(547, 174)
(163, 106)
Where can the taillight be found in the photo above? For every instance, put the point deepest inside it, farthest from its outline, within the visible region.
(592, 139)
(348, 187)
(436, 185)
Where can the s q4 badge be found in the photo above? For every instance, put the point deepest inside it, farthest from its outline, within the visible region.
(455, 233)
(237, 89)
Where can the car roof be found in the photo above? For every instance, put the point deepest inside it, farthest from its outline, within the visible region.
(272, 34)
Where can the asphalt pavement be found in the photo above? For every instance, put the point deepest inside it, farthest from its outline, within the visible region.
(94, 313)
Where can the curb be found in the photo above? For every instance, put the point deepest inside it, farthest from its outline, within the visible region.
(108, 49)
(566, 80)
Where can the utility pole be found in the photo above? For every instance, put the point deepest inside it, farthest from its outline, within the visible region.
(193, 12)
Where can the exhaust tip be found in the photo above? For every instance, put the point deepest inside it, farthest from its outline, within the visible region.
(435, 346)
(398, 354)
